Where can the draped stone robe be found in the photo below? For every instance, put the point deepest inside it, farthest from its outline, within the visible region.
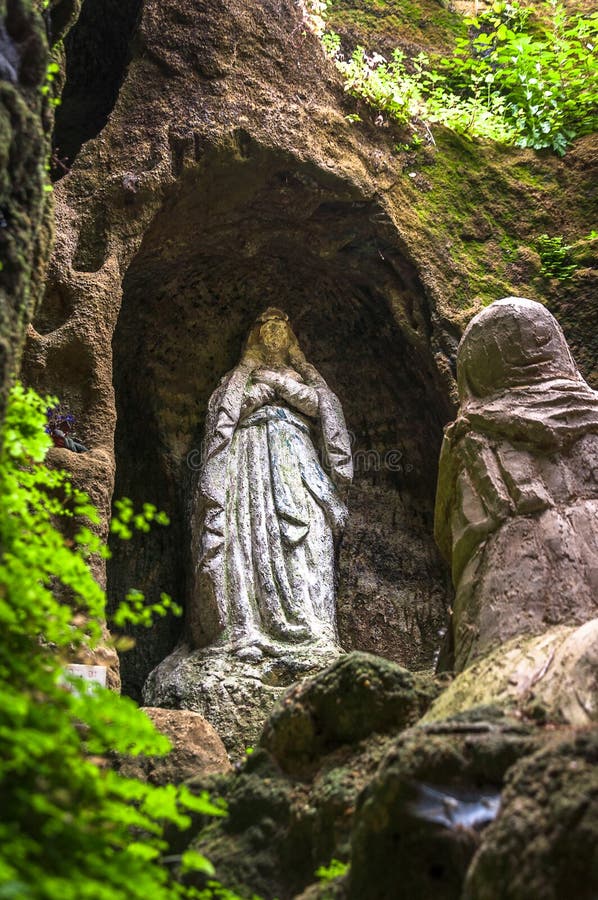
(517, 500)
(267, 512)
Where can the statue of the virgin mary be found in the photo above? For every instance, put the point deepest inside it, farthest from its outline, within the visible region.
(269, 507)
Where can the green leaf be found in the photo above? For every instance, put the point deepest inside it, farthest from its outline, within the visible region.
(191, 861)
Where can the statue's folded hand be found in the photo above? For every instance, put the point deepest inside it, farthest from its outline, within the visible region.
(292, 390)
(258, 394)
(276, 380)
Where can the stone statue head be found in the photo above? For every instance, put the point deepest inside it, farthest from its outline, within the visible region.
(271, 339)
(511, 344)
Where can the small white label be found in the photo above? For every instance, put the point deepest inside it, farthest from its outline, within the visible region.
(88, 673)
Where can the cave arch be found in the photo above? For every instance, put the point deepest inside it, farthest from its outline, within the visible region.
(239, 232)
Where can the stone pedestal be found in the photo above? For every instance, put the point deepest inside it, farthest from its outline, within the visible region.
(235, 696)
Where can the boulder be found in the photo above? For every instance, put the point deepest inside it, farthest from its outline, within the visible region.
(196, 750)
(544, 842)
(419, 822)
(359, 695)
(552, 676)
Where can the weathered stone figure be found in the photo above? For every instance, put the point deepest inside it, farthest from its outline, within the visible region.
(267, 512)
(517, 501)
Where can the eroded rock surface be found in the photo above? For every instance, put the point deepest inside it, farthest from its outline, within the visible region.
(227, 177)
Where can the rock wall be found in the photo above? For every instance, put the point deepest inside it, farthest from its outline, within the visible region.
(27, 39)
(212, 172)
(227, 178)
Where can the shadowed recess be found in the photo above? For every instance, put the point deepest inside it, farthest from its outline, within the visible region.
(239, 233)
(97, 56)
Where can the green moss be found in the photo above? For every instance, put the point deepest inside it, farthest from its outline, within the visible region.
(279, 829)
(543, 843)
(431, 860)
(482, 207)
(379, 24)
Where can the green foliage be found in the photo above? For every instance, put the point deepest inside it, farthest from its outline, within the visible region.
(409, 91)
(415, 142)
(316, 14)
(547, 76)
(125, 519)
(135, 611)
(513, 80)
(331, 43)
(216, 891)
(387, 87)
(335, 869)
(328, 874)
(52, 71)
(71, 828)
(554, 256)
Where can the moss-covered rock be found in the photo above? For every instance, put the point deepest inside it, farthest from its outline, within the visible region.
(382, 25)
(23, 151)
(484, 206)
(292, 804)
(247, 848)
(408, 809)
(357, 696)
(418, 823)
(280, 829)
(544, 843)
(30, 31)
(227, 175)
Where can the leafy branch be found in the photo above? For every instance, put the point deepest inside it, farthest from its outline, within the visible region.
(513, 79)
(71, 827)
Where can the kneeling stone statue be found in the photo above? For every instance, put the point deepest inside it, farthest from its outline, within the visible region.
(517, 499)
